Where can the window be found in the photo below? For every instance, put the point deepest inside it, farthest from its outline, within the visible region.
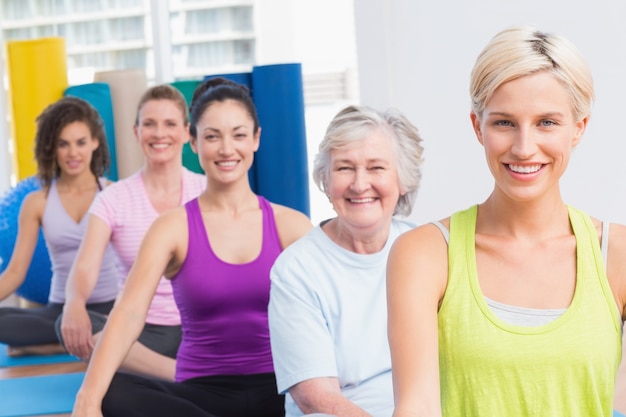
(203, 37)
(16, 9)
(135, 58)
(244, 52)
(127, 28)
(17, 34)
(86, 6)
(44, 31)
(121, 4)
(63, 30)
(242, 19)
(207, 54)
(58, 7)
(97, 60)
(85, 33)
(202, 21)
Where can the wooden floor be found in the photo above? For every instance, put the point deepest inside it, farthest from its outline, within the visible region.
(57, 368)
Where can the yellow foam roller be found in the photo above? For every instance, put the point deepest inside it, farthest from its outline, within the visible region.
(37, 75)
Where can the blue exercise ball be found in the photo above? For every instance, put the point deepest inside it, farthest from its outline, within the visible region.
(36, 286)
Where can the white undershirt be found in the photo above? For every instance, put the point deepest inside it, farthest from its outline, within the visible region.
(524, 316)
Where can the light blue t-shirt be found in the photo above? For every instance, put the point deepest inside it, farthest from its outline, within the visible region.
(328, 318)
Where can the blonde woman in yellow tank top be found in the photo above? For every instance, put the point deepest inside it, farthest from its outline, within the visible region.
(511, 310)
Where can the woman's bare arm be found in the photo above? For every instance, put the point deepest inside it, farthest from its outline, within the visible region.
(416, 281)
(160, 247)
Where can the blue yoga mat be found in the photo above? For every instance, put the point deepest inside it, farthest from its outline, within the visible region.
(617, 414)
(99, 96)
(36, 395)
(8, 361)
(281, 161)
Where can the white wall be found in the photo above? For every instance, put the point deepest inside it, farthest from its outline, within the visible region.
(324, 33)
(274, 26)
(6, 164)
(417, 56)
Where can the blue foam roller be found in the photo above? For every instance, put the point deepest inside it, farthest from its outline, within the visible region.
(243, 78)
(36, 286)
(99, 96)
(281, 161)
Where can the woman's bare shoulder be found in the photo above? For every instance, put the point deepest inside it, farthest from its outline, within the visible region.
(291, 224)
(35, 202)
(425, 246)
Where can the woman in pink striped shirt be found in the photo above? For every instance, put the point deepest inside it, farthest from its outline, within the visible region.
(121, 215)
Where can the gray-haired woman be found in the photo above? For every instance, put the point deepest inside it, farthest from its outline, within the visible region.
(327, 313)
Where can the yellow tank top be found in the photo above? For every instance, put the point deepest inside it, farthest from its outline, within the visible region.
(491, 368)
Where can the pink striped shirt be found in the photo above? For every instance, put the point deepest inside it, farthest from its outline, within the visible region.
(126, 208)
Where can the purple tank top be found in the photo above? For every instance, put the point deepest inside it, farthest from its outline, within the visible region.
(223, 307)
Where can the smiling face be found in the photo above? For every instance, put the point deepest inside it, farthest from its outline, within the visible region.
(363, 185)
(74, 149)
(161, 131)
(528, 131)
(226, 141)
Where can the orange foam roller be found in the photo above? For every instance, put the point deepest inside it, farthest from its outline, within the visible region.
(127, 87)
(37, 75)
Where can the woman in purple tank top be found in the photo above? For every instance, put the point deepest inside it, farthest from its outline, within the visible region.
(72, 156)
(217, 250)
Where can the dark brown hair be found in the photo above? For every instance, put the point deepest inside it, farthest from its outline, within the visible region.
(220, 89)
(52, 121)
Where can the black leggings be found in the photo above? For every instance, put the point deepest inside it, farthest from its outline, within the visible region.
(35, 326)
(159, 338)
(214, 396)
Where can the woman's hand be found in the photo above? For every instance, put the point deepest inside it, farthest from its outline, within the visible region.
(76, 331)
(86, 406)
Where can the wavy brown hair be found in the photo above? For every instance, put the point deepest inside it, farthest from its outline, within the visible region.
(52, 121)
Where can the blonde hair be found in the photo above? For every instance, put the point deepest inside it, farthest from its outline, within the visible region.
(525, 50)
